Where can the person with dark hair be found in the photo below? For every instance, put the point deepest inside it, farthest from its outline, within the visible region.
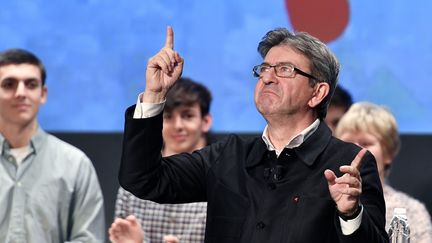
(339, 104)
(295, 183)
(49, 189)
(187, 101)
(186, 122)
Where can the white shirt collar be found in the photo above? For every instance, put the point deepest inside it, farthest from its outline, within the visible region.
(295, 141)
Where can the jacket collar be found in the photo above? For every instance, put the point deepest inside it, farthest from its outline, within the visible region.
(295, 141)
(314, 145)
(259, 148)
(307, 152)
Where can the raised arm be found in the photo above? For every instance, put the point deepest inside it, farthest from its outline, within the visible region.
(163, 70)
(142, 169)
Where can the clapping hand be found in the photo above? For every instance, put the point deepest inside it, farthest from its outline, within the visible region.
(126, 230)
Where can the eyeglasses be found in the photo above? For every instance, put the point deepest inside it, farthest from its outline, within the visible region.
(283, 70)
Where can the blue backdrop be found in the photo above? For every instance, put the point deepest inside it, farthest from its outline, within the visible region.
(96, 52)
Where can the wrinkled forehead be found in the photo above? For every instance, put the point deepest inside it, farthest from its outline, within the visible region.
(285, 53)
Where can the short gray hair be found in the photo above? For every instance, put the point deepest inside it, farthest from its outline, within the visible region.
(323, 63)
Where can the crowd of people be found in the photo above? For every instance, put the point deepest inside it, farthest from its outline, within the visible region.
(317, 173)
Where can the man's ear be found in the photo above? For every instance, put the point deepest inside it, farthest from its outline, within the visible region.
(44, 95)
(321, 90)
(207, 123)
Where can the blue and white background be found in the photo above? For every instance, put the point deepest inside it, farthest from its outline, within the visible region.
(96, 51)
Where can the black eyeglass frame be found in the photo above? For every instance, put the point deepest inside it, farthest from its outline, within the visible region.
(256, 75)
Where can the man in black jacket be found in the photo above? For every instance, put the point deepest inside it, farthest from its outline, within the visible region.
(296, 183)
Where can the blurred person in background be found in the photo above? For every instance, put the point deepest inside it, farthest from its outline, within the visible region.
(186, 123)
(374, 127)
(339, 104)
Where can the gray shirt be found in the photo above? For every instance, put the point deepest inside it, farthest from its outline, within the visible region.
(53, 196)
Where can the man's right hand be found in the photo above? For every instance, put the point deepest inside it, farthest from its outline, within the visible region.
(163, 70)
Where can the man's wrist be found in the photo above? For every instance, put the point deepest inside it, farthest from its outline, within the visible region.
(350, 216)
(153, 97)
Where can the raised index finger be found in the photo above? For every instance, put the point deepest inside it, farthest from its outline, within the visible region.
(357, 160)
(169, 41)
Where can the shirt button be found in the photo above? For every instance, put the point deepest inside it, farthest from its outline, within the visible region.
(296, 199)
(19, 184)
(260, 225)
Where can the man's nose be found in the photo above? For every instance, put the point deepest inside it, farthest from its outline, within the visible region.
(20, 89)
(269, 76)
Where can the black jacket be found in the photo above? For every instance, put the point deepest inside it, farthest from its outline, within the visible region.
(252, 195)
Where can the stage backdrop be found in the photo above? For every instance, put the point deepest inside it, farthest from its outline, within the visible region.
(96, 52)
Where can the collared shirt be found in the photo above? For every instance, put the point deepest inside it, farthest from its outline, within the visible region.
(146, 110)
(52, 196)
(418, 216)
(186, 221)
(295, 141)
(20, 153)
